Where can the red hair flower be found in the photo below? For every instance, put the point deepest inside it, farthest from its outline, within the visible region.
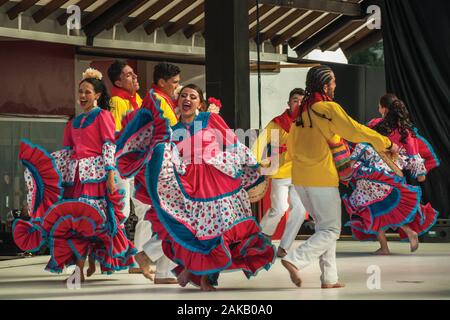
(215, 101)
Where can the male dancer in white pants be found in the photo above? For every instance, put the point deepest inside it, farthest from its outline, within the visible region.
(283, 194)
(314, 173)
(125, 99)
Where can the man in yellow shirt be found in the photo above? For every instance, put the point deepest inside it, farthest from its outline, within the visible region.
(124, 96)
(166, 79)
(314, 173)
(125, 99)
(282, 194)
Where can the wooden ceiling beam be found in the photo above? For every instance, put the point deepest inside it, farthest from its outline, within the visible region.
(86, 20)
(47, 10)
(183, 21)
(173, 12)
(20, 7)
(333, 43)
(267, 21)
(329, 6)
(269, 34)
(324, 21)
(192, 29)
(146, 14)
(286, 35)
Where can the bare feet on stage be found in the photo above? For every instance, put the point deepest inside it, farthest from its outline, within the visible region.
(333, 286)
(281, 253)
(134, 270)
(166, 281)
(382, 252)
(184, 277)
(293, 272)
(144, 263)
(205, 285)
(413, 240)
(412, 236)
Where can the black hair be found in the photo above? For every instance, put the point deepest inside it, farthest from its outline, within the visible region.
(99, 87)
(165, 71)
(115, 69)
(316, 78)
(397, 118)
(299, 91)
(200, 94)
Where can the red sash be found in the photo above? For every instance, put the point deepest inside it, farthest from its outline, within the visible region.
(118, 92)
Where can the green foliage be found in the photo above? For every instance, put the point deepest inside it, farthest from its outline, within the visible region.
(372, 56)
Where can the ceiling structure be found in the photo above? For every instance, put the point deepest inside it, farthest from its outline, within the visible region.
(303, 25)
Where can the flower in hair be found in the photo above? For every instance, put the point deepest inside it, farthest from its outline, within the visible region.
(214, 101)
(92, 73)
(214, 105)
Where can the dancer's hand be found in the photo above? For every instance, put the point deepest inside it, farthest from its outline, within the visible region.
(421, 178)
(394, 149)
(110, 182)
(213, 109)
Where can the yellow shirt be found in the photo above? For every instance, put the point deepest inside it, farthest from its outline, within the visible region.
(312, 161)
(120, 107)
(166, 109)
(273, 130)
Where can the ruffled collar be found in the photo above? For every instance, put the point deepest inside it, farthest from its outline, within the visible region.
(200, 122)
(88, 118)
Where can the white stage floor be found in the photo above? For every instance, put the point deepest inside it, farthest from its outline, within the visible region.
(422, 275)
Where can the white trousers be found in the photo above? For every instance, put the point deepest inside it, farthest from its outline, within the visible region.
(143, 230)
(153, 249)
(143, 239)
(283, 196)
(324, 206)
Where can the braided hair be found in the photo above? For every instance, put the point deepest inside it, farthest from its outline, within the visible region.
(397, 118)
(316, 78)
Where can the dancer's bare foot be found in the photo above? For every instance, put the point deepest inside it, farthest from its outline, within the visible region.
(413, 241)
(166, 281)
(184, 277)
(293, 272)
(134, 270)
(281, 253)
(333, 286)
(144, 263)
(139, 270)
(91, 269)
(205, 285)
(382, 252)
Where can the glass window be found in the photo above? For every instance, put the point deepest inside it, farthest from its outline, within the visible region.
(47, 133)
